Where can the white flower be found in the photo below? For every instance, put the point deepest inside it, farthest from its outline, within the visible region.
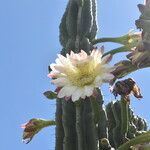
(78, 75)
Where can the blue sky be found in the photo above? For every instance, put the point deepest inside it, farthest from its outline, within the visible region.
(29, 43)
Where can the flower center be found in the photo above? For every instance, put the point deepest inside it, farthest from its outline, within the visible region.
(83, 74)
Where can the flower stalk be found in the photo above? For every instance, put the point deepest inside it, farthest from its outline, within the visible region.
(117, 50)
(130, 40)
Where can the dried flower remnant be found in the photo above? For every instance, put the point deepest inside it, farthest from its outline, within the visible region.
(78, 74)
(141, 55)
(127, 87)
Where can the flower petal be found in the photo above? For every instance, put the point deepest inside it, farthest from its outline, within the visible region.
(98, 81)
(77, 94)
(62, 93)
(106, 77)
(83, 55)
(69, 90)
(60, 82)
(88, 90)
(63, 60)
(60, 68)
(106, 59)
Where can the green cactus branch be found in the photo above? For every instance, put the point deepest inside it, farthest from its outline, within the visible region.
(144, 138)
(124, 116)
(117, 50)
(68, 121)
(59, 126)
(90, 135)
(79, 127)
(107, 39)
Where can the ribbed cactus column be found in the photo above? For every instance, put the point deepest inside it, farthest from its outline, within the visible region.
(123, 124)
(59, 126)
(75, 129)
(100, 118)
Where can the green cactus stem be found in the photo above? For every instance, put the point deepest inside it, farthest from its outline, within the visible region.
(111, 123)
(94, 28)
(86, 19)
(100, 116)
(124, 116)
(79, 126)
(90, 135)
(63, 37)
(103, 120)
(123, 125)
(117, 136)
(68, 120)
(59, 127)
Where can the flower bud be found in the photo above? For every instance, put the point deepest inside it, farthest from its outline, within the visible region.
(33, 127)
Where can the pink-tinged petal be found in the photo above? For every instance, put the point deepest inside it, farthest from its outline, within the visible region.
(93, 52)
(97, 54)
(53, 74)
(106, 59)
(83, 54)
(63, 59)
(74, 57)
(72, 53)
(23, 126)
(88, 90)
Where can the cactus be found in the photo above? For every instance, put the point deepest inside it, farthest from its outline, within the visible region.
(89, 124)
(136, 125)
(78, 25)
(86, 125)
